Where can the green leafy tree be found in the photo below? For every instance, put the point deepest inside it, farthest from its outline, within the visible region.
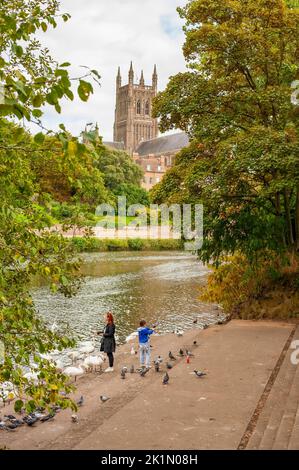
(117, 168)
(31, 79)
(235, 103)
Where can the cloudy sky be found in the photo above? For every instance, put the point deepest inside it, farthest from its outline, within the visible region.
(104, 34)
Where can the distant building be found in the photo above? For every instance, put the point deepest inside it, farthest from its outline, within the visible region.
(156, 156)
(136, 130)
(133, 111)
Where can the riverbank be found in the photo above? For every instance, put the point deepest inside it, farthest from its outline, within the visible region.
(190, 413)
(94, 245)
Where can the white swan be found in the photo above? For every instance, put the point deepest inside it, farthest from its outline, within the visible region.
(131, 336)
(73, 355)
(93, 361)
(72, 371)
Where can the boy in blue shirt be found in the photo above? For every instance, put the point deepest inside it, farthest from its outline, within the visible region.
(145, 353)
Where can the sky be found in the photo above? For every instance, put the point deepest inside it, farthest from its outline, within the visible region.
(105, 34)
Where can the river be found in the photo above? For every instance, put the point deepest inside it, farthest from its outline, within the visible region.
(161, 287)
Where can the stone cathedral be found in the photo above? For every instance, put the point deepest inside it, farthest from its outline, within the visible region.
(136, 130)
(133, 111)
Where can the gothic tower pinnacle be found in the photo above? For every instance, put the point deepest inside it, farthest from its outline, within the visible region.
(133, 112)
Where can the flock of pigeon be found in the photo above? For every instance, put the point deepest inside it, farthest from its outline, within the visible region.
(90, 362)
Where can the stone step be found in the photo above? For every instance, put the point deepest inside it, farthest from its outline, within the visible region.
(280, 397)
(289, 416)
(271, 415)
(294, 440)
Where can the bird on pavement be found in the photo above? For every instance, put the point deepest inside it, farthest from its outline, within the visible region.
(198, 373)
(47, 417)
(13, 420)
(189, 353)
(30, 420)
(75, 419)
(143, 372)
(169, 366)
(171, 356)
(4, 427)
(104, 399)
(165, 379)
(181, 352)
(157, 366)
(80, 401)
(123, 374)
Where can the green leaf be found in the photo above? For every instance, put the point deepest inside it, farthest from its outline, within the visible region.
(18, 406)
(84, 90)
(39, 138)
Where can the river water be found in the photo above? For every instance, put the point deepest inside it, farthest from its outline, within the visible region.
(161, 287)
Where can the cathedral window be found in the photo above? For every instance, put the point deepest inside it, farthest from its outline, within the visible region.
(138, 107)
(147, 108)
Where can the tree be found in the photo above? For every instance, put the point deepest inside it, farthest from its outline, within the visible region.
(235, 103)
(31, 78)
(117, 168)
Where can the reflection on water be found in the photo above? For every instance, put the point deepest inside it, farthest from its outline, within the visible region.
(160, 287)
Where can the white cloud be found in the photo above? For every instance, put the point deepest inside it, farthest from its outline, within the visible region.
(104, 34)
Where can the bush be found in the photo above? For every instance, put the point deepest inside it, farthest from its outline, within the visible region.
(90, 244)
(241, 287)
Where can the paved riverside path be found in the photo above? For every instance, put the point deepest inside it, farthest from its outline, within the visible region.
(190, 413)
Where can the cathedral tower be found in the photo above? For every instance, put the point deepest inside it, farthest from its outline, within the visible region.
(133, 111)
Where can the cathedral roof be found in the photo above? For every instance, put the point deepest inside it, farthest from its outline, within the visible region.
(164, 144)
(115, 145)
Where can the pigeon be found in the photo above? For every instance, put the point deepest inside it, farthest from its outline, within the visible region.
(181, 352)
(30, 420)
(55, 408)
(125, 369)
(171, 356)
(132, 370)
(123, 374)
(198, 373)
(195, 321)
(12, 426)
(10, 417)
(13, 420)
(75, 419)
(169, 366)
(80, 401)
(4, 427)
(157, 366)
(165, 379)
(143, 372)
(189, 353)
(104, 399)
(47, 417)
(159, 359)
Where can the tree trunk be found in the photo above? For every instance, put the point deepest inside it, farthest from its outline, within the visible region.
(290, 236)
(297, 219)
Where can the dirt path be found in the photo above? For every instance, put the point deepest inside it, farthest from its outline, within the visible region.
(189, 413)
